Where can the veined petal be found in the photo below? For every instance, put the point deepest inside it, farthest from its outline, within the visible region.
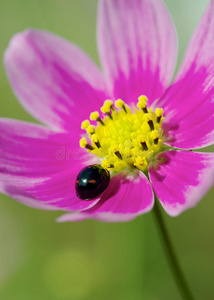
(59, 191)
(125, 195)
(189, 103)
(181, 179)
(29, 150)
(22, 196)
(35, 160)
(53, 79)
(123, 200)
(137, 43)
(56, 192)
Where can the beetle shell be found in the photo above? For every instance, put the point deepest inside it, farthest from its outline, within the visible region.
(91, 182)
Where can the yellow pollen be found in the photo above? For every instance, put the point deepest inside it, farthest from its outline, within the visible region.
(131, 137)
(159, 112)
(83, 142)
(94, 116)
(106, 106)
(90, 129)
(85, 124)
(94, 138)
(143, 100)
(119, 103)
(154, 134)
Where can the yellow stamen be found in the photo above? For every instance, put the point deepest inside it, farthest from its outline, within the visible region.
(94, 116)
(85, 124)
(90, 130)
(143, 99)
(95, 140)
(159, 114)
(142, 103)
(107, 106)
(130, 138)
(155, 136)
(120, 104)
(84, 144)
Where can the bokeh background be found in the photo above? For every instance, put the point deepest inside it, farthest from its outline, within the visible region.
(41, 259)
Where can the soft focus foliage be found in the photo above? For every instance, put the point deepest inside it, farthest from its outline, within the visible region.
(40, 259)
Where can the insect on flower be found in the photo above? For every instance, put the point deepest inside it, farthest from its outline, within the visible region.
(130, 121)
(91, 182)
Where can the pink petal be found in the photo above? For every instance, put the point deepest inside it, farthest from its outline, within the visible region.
(189, 104)
(182, 179)
(22, 196)
(59, 191)
(35, 160)
(103, 217)
(30, 150)
(73, 217)
(138, 47)
(53, 79)
(123, 200)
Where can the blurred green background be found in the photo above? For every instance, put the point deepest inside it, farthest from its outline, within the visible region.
(42, 260)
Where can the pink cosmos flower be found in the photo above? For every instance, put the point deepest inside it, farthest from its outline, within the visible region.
(59, 85)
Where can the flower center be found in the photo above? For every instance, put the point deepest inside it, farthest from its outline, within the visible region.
(124, 138)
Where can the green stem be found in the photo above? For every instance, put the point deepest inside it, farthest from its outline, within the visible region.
(172, 258)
